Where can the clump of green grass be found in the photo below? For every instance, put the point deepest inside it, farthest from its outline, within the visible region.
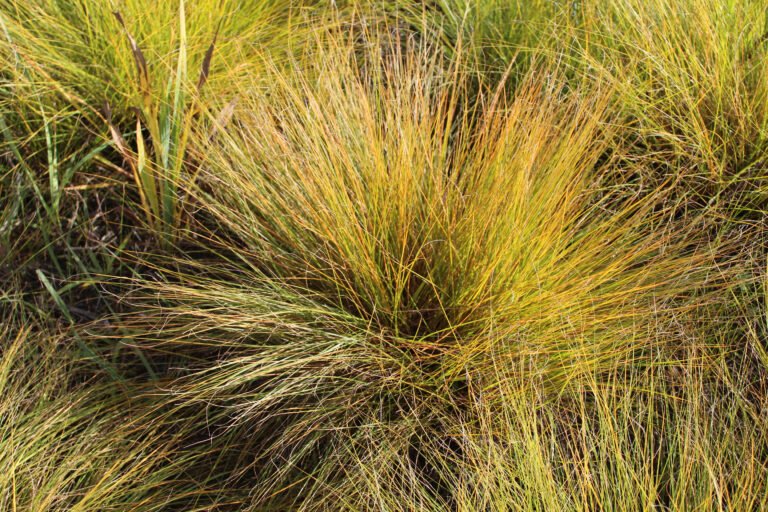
(396, 255)
(103, 63)
(433, 225)
(168, 121)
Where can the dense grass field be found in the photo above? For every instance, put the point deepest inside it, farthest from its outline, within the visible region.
(383, 255)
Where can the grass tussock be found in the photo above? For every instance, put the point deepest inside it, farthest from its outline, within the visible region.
(392, 255)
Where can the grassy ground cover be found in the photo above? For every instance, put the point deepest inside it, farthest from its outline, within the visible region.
(452, 255)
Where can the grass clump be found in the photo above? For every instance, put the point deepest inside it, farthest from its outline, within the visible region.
(437, 224)
(101, 64)
(391, 255)
(397, 262)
